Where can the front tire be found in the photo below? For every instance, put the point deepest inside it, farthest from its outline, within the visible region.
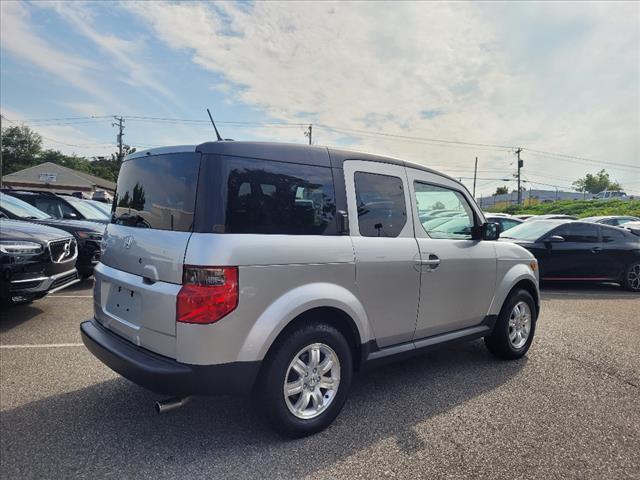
(305, 380)
(514, 329)
(631, 277)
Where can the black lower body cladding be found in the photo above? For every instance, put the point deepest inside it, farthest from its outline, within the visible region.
(164, 375)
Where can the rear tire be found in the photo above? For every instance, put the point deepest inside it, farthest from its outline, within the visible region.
(304, 381)
(515, 327)
(631, 277)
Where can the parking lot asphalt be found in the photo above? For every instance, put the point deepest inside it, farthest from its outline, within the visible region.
(570, 409)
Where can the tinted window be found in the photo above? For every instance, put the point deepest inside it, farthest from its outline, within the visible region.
(50, 206)
(157, 191)
(245, 195)
(578, 232)
(382, 211)
(507, 223)
(433, 201)
(612, 235)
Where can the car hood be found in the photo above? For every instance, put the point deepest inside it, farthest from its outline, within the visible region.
(18, 230)
(72, 225)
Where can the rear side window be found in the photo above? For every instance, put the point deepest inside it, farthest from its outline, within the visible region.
(578, 232)
(382, 210)
(157, 191)
(246, 195)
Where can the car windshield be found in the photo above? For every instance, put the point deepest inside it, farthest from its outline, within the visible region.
(530, 231)
(87, 210)
(20, 208)
(103, 207)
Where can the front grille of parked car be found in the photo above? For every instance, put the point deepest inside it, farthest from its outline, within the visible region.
(62, 250)
(58, 282)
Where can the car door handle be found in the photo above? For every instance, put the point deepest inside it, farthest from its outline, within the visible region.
(432, 261)
(596, 249)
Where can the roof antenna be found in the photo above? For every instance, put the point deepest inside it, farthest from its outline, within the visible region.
(214, 126)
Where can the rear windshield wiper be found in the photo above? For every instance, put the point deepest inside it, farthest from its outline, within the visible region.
(131, 220)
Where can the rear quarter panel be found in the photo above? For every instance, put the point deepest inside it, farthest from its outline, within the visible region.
(280, 277)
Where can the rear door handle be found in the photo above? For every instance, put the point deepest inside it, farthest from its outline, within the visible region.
(596, 249)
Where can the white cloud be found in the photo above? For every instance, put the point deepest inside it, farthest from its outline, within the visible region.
(19, 39)
(380, 66)
(125, 54)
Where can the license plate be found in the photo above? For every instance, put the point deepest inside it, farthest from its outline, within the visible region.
(124, 303)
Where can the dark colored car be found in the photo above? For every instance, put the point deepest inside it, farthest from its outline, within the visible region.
(614, 220)
(34, 260)
(88, 235)
(581, 251)
(60, 206)
(505, 223)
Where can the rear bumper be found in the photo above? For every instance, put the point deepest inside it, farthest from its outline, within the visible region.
(164, 375)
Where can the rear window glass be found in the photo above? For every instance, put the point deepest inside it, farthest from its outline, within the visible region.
(246, 195)
(382, 210)
(157, 191)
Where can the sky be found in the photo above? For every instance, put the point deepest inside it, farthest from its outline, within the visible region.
(435, 83)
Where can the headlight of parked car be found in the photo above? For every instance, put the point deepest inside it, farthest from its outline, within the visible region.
(20, 248)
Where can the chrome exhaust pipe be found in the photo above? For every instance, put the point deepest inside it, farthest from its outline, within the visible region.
(169, 404)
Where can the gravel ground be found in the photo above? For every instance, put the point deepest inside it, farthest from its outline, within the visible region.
(570, 409)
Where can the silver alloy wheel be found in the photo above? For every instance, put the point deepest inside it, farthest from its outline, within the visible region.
(633, 277)
(312, 381)
(519, 324)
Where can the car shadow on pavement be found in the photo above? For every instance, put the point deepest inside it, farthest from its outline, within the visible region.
(110, 428)
(12, 316)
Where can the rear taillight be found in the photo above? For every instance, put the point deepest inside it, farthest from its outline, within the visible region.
(207, 294)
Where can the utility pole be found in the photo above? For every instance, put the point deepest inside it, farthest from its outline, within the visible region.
(309, 132)
(520, 163)
(120, 125)
(475, 174)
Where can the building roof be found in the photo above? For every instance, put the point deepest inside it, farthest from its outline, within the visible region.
(57, 176)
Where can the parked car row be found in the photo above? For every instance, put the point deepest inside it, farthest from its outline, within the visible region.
(32, 264)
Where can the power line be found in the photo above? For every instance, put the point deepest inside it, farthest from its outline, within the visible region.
(579, 160)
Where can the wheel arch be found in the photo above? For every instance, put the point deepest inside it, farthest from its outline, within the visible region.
(324, 302)
(518, 276)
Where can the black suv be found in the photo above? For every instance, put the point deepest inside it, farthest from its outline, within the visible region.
(60, 206)
(34, 260)
(88, 235)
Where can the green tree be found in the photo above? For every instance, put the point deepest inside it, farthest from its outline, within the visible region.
(21, 147)
(501, 191)
(596, 183)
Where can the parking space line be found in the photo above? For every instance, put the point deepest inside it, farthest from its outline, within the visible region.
(42, 345)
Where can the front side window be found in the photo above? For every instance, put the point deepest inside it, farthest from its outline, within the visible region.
(382, 210)
(578, 232)
(434, 202)
(612, 235)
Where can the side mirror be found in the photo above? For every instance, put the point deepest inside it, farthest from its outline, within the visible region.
(70, 216)
(555, 239)
(490, 231)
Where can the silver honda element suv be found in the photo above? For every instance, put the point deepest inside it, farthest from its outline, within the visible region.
(281, 270)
